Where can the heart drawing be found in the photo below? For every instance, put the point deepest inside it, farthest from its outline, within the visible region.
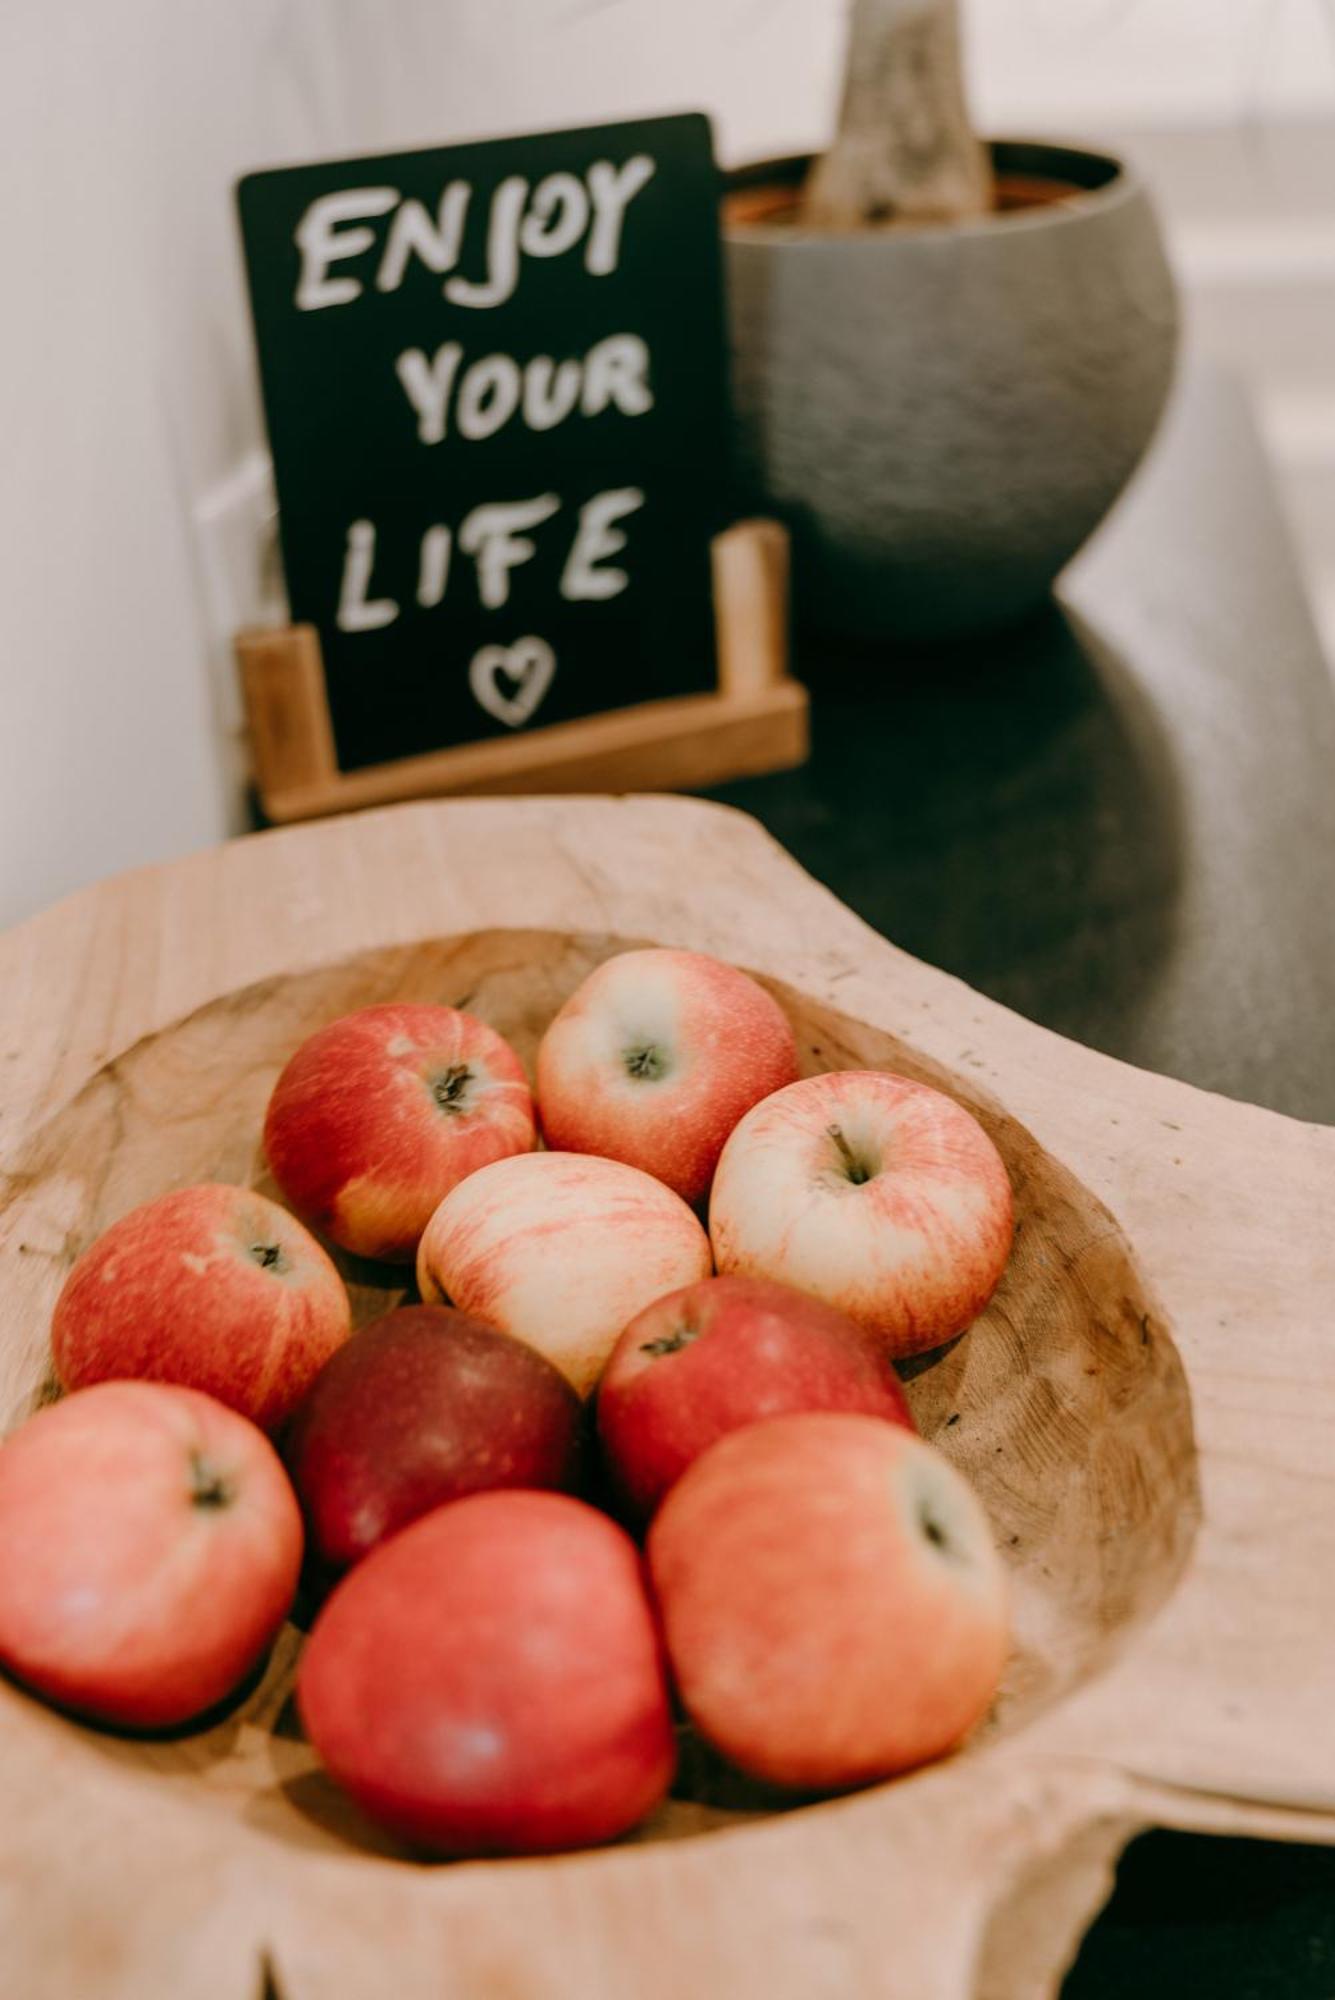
(529, 664)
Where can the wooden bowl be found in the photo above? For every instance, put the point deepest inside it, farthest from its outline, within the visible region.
(1151, 1461)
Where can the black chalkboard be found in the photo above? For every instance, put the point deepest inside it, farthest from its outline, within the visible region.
(495, 383)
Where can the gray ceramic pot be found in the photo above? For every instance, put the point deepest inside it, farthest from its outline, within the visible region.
(943, 415)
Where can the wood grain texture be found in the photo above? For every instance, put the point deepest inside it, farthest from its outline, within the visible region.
(1148, 1410)
(750, 563)
(287, 709)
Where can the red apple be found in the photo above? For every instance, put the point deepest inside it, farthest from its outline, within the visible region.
(833, 1602)
(216, 1288)
(423, 1406)
(377, 1116)
(655, 1058)
(149, 1550)
(722, 1353)
(490, 1681)
(561, 1249)
(879, 1195)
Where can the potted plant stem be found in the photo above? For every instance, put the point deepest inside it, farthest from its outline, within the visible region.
(948, 356)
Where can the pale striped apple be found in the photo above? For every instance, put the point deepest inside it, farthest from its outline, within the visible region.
(877, 1194)
(561, 1250)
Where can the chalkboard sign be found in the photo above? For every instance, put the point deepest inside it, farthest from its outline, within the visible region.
(494, 377)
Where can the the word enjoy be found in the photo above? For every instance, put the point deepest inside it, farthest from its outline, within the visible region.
(547, 220)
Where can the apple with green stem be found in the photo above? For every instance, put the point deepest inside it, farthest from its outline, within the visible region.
(879, 1195)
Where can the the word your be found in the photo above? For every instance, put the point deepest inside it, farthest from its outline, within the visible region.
(483, 397)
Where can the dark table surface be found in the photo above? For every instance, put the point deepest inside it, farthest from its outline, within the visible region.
(1120, 820)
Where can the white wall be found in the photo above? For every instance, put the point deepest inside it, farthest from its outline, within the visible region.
(1062, 64)
(126, 381)
(127, 397)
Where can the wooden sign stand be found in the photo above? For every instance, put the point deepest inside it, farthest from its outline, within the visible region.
(756, 720)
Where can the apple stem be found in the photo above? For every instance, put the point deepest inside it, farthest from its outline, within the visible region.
(670, 1343)
(448, 1090)
(269, 1256)
(209, 1489)
(853, 1166)
(933, 1530)
(646, 1061)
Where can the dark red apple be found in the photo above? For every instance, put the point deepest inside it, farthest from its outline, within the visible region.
(491, 1681)
(423, 1406)
(722, 1353)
